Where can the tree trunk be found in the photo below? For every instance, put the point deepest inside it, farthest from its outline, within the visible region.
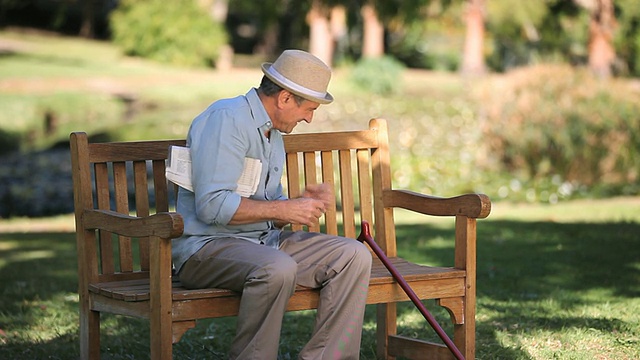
(372, 33)
(339, 31)
(601, 51)
(473, 55)
(88, 10)
(218, 10)
(320, 39)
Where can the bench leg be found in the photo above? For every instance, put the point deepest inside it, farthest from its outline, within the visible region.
(180, 327)
(463, 319)
(89, 334)
(462, 316)
(386, 325)
(160, 303)
(161, 344)
(464, 335)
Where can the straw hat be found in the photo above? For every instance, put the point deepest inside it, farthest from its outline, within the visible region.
(302, 74)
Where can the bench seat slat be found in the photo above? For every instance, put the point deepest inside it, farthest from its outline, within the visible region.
(138, 289)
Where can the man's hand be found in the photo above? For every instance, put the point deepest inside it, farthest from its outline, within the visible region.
(305, 210)
(322, 192)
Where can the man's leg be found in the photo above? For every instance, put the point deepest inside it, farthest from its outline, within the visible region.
(265, 276)
(341, 267)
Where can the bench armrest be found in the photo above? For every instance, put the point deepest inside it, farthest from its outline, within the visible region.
(471, 205)
(167, 225)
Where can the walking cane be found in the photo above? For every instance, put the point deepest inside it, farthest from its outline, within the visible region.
(365, 236)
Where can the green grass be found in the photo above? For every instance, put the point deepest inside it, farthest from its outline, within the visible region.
(554, 282)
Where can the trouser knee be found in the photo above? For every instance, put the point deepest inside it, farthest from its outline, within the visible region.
(361, 256)
(281, 274)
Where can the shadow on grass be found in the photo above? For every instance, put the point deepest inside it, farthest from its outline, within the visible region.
(526, 271)
(530, 260)
(533, 276)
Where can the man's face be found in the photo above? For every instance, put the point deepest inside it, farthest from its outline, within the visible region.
(290, 113)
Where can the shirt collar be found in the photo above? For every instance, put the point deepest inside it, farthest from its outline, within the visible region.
(260, 115)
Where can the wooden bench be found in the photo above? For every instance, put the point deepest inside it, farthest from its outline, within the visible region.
(138, 280)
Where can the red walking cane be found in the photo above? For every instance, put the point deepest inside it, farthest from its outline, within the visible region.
(365, 236)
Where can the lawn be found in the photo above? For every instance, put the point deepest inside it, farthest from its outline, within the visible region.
(554, 282)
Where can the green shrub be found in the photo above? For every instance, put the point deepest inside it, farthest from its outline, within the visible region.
(380, 76)
(176, 32)
(554, 121)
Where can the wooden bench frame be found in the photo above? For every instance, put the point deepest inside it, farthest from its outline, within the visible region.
(145, 287)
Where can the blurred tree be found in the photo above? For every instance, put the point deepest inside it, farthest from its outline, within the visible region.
(5, 6)
(627, 40)
(473, 54)
(379, 15)
(339, 31)
(602, 53)
(266, 27)
(218, 10)
(320, 38)
(372, 31)
(327, 20)
(276, 24)
(88, 13)
(518, 30)
(327, 29)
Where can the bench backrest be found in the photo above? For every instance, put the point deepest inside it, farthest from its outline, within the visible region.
(129, 178)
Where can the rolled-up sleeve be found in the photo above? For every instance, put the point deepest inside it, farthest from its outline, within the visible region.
(217, 155)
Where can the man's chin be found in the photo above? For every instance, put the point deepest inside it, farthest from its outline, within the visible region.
(288, 131)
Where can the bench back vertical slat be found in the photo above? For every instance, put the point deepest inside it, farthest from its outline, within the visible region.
(328, 176)
(364, 184)
(142, 207)
(381, 172)
(293, 181)
(311, 178)
(346, 193)
(160, 185)
(121, 192)
(103, 199)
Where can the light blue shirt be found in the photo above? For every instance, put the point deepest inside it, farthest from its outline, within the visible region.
(220, 138)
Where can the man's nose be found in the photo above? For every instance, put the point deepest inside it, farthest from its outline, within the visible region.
(308, 119)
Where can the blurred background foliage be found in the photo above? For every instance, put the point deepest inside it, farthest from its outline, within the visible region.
(167, 31)
(417, 32)
(532, 123)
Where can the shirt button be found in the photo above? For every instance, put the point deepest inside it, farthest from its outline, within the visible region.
(275, 169)
(268, 123)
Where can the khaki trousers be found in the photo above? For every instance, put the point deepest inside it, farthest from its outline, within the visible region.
(267, 278)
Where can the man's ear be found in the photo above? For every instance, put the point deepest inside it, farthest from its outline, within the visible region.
(284, 97)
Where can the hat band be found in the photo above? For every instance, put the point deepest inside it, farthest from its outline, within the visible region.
(293, 86)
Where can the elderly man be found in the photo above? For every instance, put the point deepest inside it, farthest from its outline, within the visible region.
(233, 237)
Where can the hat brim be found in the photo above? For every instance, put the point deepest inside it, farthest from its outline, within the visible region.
(328, 98)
